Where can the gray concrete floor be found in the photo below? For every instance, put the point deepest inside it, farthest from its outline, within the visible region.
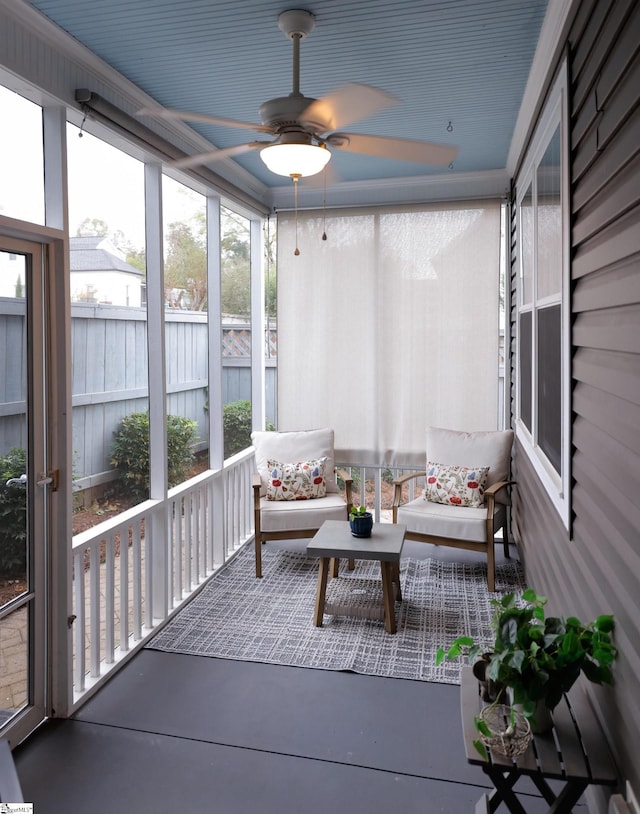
(174, 733)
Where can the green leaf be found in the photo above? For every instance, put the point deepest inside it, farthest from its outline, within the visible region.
(481, 749)
(605, 623)
(482, 727)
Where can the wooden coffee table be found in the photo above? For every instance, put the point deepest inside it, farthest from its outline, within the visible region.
(334, 541)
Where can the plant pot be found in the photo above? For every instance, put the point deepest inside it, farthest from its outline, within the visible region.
(505, 738)
(489, 690)
(361, 526)
(541, 721)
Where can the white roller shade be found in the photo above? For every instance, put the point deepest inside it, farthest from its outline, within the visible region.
(388, 326)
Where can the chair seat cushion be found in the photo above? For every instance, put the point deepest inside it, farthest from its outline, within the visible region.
(456, 522)
(289, 515)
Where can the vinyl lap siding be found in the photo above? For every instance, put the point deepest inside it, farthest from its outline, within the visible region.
(597, 568)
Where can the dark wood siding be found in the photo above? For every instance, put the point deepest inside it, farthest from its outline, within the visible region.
(596, 568)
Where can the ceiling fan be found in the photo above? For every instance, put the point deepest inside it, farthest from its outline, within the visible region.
(303, 129)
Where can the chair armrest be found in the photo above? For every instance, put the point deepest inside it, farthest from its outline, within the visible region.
(404, 478)
(348, 485)
(491, 492)
(256, 485)
(398, 483)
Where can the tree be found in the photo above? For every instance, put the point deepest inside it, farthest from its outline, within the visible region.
(185, 268)
(137, 258)
(93, 227)
(235, 249)
(270, 265)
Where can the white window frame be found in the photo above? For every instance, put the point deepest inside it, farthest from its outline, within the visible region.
(554, 113)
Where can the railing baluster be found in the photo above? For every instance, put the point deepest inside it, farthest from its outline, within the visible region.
(79, 626)
(209, 517)
(109, 598)
(136, 554)
(188, 544)
(148, 582)
(94, 597)
(124, 588)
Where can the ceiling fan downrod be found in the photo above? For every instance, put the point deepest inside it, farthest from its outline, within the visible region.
(296, 24)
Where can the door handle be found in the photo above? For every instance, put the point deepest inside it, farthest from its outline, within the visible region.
(49, 479)
(22, 480)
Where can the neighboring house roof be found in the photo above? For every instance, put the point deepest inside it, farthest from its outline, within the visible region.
(98, 254)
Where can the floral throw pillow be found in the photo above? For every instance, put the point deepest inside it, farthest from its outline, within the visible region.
(455, 485)
(296, 481)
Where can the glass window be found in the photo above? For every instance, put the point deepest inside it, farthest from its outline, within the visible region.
(235, 237)
(186, 329)
(543, 383)
(108, 329)
(21, 158)
(527, 245)
(549, 383)
(549, 221)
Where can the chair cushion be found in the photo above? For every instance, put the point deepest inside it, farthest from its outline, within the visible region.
(290, 515)
(491, 448)
(455, 485)
(456, 522)
(296, 481)
(305, 445)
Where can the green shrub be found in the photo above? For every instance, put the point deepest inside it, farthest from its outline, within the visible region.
(130, 453)
(236, 423)
(13, 514)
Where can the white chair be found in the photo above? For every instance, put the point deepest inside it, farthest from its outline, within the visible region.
(461, 512)
(289, 519)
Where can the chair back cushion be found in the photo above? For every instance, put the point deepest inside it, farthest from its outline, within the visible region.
(472, 449)
(292, 448)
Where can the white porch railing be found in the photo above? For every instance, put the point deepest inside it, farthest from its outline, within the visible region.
(372, 487)
(133, 571)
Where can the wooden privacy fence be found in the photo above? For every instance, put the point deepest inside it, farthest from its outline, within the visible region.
(109, 377)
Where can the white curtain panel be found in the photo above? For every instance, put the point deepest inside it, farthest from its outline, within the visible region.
(389, 326)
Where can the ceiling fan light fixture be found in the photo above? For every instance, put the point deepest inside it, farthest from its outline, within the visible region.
(295, 159)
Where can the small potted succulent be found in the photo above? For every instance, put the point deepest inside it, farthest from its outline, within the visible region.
(361, 521)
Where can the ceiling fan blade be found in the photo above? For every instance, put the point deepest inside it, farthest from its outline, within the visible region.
(168, 113)
(216, 155)
(422, 152)
(347, 104)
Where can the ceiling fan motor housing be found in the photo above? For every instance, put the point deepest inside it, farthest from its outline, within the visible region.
(287, 110)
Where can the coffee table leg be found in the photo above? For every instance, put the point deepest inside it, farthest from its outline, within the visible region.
(387, 593)
(396, 579)
(321, 592)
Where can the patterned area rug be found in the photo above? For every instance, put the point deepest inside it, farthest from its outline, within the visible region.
(237, 616)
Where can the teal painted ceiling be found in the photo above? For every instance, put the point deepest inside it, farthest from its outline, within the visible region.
(459, 67)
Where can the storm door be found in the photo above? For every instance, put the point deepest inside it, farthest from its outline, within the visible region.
(24, 488)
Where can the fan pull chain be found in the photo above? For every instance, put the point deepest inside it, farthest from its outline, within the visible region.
(296, 178)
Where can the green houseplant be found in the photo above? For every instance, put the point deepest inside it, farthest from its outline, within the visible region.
(360, 521)
(538, 657)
